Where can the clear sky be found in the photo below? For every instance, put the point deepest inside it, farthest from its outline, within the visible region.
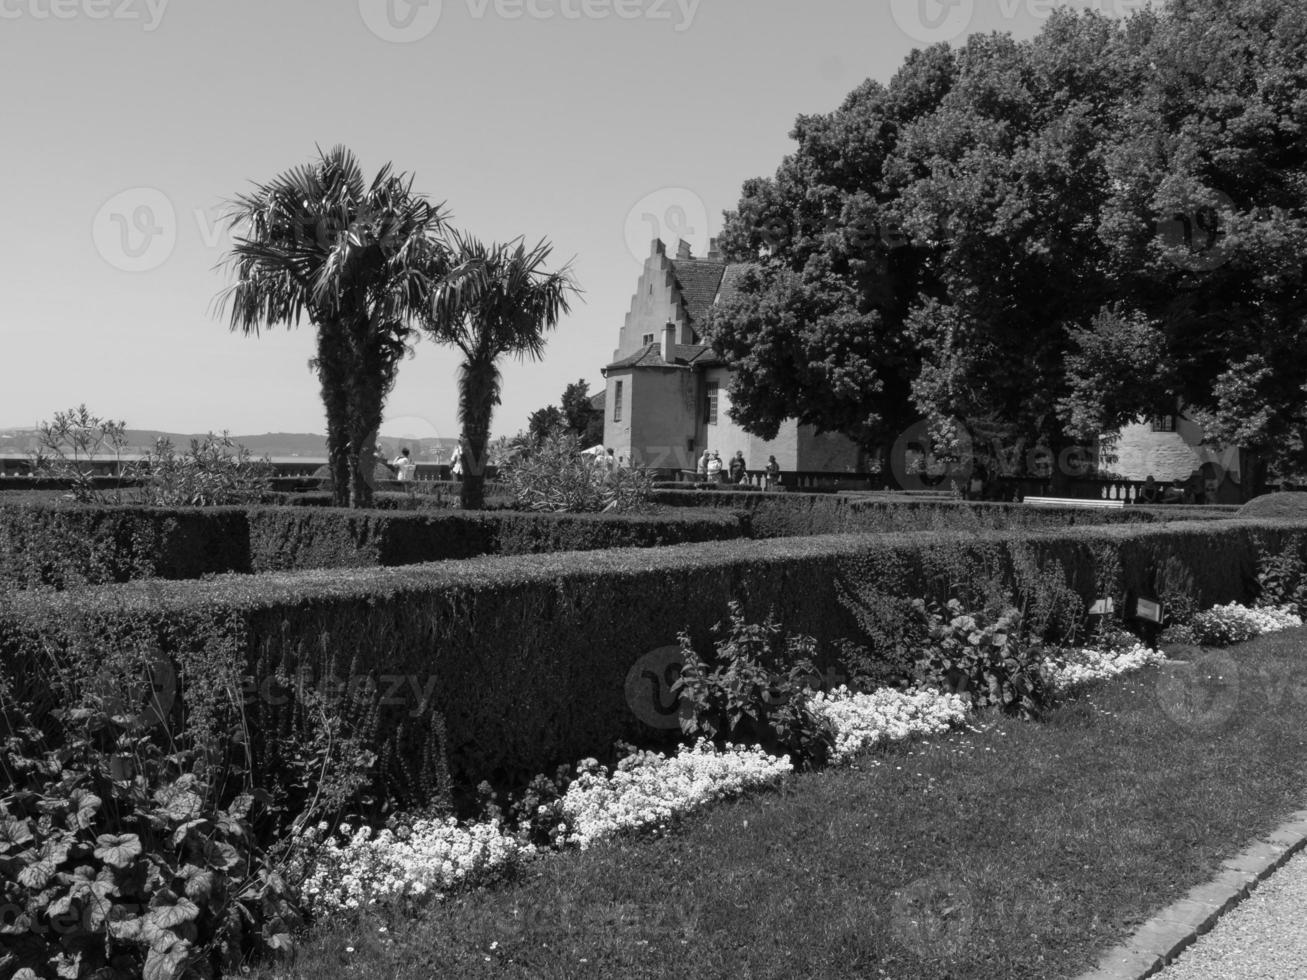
(594, 123)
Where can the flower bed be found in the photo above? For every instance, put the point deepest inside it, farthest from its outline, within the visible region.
(863, 720)
(1234, 623)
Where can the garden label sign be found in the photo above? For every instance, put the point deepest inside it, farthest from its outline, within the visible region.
(1103, 607)
(1148, 609)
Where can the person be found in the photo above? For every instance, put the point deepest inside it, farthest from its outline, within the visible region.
(1149, 493)
(715, 468)
(610, 461)
(773, 471)
(738, 469)
(976, 485)
(703, 464)
(404, 466)
(456, 461)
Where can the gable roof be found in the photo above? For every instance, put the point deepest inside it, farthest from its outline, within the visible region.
(683, 356)
(699, 281)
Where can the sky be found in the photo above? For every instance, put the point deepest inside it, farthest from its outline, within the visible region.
(596, 124)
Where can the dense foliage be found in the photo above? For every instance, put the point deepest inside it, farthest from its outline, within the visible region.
(1031, 243)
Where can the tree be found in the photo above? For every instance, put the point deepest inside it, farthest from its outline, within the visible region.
(358, 260)
(504, 307)
(1206, 227)
(1042, 240)
(543, 421)
(580, 416)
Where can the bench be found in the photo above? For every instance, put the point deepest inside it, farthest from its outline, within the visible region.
(1074, 502)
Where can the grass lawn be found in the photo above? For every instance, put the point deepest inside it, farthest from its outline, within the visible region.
(1008, 850)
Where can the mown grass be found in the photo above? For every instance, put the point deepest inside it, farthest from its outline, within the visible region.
(1030, 848)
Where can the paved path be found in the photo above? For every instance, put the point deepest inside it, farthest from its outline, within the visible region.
(1262, 938)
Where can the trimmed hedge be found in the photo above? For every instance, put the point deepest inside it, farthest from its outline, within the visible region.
(777, 515)
(71, 545)
(62, 546)
(287, 538)
(526, 659)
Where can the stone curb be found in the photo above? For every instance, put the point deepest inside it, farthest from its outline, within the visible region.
(1163, 937)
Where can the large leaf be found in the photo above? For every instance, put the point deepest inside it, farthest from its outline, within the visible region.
(167, 963)
(118, 850)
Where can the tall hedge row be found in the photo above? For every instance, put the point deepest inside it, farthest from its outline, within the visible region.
(525, 659)
(779, 515)
(63, 546)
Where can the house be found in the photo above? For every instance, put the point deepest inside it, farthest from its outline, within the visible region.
(666, 397)
(1169, 448)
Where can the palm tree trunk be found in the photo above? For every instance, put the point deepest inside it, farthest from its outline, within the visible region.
(477, 397)
(334, 398)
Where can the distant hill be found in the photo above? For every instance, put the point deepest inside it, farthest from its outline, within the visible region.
(274, 444)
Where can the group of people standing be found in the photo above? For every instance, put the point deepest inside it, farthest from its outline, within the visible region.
(736, 471)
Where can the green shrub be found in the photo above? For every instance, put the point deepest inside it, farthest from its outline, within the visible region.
(754, 691)
(984, 653)
(68, 446)
(1271, 506)
(214, 472)
(553, 476)
(130, 831)
(1282, 577)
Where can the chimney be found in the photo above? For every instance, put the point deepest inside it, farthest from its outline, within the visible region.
(683, 250)
(714, 252)
(657, 247)
(668, 349)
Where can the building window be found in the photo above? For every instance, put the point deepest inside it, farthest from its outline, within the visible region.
(1163, 423)
(647, 339)
(711, 414)
(617, 402)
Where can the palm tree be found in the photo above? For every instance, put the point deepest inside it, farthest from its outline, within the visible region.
(359, 261)
(503, 307)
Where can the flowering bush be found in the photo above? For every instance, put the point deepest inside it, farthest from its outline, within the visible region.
(554, 476)
(211, 473)
(1235, 623)
(647, 789)
(861, 720)
(984, 654)
(361, 868)
(1071, 668)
